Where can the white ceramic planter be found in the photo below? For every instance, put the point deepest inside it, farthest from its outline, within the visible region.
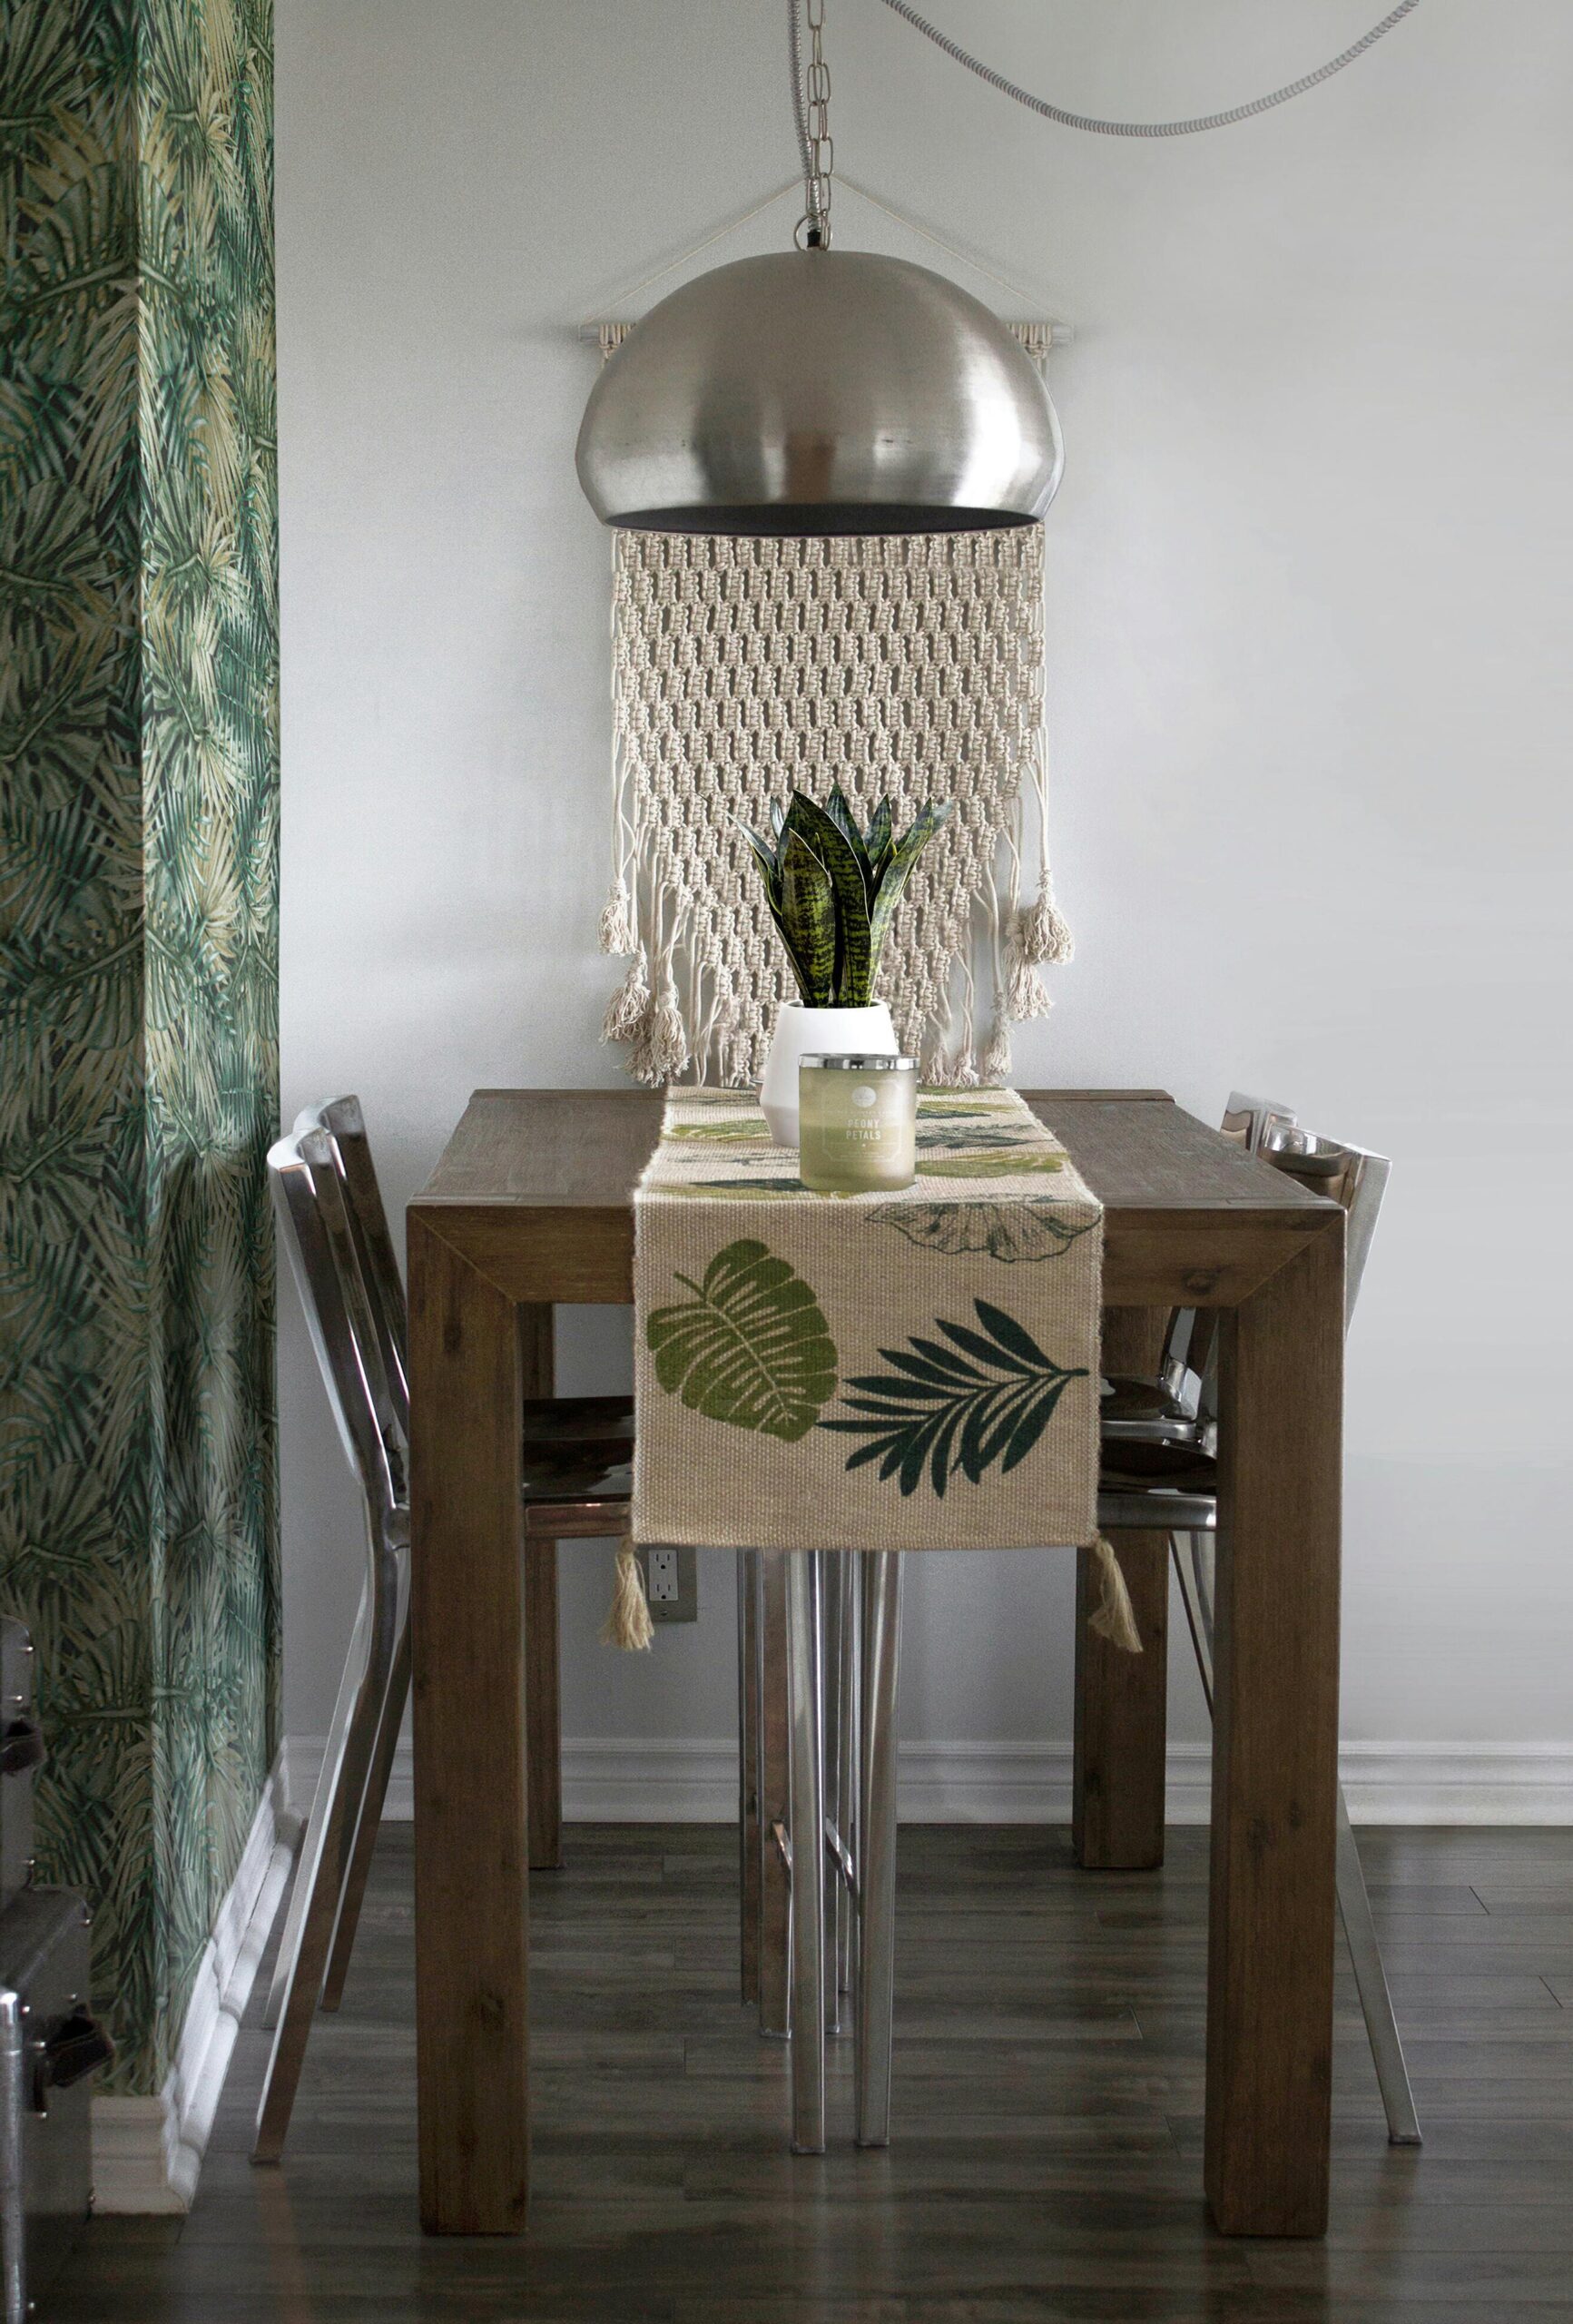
(839, 1033)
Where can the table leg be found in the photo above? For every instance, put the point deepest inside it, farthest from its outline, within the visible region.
(471, 1811)
(543, 1689)
(1122, 1700)
(1275, 1749)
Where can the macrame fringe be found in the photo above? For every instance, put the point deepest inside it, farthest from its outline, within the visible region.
(1115, 1618)
(628, 1626)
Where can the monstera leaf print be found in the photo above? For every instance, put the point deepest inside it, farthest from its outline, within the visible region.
(750, 1346)
(1030, 1229)
(987, 1397)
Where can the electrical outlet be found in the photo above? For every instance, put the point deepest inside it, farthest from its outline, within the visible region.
(671, 1585)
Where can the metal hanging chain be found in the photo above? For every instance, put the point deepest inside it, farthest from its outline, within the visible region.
(811, 113)
(1144, 128)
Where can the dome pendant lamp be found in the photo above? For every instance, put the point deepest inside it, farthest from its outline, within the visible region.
(819, 392)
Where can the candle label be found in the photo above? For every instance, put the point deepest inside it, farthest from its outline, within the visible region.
(855, 1131)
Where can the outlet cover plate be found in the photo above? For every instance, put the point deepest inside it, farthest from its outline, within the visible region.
(678, 1601)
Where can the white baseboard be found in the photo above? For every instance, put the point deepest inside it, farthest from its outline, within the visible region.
(696, 1782)
(147, 2152)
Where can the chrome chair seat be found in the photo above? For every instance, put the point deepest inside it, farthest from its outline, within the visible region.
(1146, 1411)
(578, 1446)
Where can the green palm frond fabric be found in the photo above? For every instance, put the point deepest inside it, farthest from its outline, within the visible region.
(139, 956)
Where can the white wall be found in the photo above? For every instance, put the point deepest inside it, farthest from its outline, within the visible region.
(1309, 677)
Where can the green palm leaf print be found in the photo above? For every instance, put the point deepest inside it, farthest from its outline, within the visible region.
(1018, 1162)
(752, 1347)
(987, 1397)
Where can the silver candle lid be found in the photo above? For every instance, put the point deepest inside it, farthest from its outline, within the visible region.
(836, 1063)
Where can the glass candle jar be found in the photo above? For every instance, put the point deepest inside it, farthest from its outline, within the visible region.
(857, 1123)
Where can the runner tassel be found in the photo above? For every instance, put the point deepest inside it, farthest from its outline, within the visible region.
(628, 1626)
(1115, 1618)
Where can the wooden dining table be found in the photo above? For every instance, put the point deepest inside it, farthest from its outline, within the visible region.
(531, 1207)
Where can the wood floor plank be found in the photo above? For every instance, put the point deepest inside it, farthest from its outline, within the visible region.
(1048, 2100)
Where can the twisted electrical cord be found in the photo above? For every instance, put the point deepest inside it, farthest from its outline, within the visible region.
(954, 50)
(800, 108)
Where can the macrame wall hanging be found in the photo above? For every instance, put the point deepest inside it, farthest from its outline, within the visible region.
(907, 664)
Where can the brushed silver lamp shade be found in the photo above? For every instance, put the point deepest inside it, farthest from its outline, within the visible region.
(819, 392)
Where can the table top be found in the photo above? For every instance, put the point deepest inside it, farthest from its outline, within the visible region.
(584, 1150)
(1187, 1216)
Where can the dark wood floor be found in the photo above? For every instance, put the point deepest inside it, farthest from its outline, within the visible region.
(1048, 2115)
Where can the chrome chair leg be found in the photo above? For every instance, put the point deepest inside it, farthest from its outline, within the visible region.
(805, 1670)
(845, 1798)
(774, 1797)
(1188, 1551)
(880, 1647)
(1370, 1981)
(836, 1744)
(325, 1861)
(1194, 1569)
(306, 1871)
(748, 1868)
(369, 1822)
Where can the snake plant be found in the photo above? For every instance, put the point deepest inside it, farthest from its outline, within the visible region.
(833, 889)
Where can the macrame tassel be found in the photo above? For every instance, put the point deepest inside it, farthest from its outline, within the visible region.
(628, 1626)
(940, 1070)
(1023, 994)
(997, 1055)
(1115, 1616)
(618, 933)
(1043, 935)
(627, 1017)
(666, 1045)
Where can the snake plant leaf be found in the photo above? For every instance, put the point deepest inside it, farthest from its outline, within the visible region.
(877, 844)
(750, 1347)
(903, 856)
(809, 821)
(938, 1414)
(807, 919)
(839, 808)
(1015, 1233)
(765, 854)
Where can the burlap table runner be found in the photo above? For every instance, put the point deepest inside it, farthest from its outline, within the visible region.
(912, 1371)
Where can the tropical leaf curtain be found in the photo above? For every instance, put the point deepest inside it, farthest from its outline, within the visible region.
(138, 955)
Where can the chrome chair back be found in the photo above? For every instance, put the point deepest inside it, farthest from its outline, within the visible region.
(319, 1238)
(343, 1123)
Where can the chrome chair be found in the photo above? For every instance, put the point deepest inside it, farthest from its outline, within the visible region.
(1160, 1474)
(589, 1434)
(317, 1238)
(576, 1468)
